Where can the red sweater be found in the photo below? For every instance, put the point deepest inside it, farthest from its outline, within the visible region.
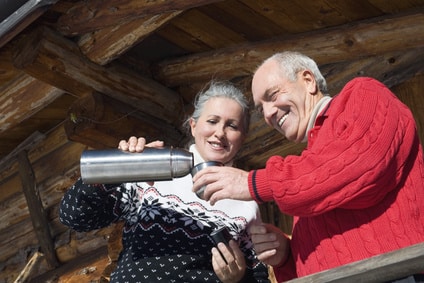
(357, 190)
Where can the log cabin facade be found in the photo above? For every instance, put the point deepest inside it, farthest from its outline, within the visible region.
(79, 74)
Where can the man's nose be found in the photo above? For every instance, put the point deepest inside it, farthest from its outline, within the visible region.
(268, 111)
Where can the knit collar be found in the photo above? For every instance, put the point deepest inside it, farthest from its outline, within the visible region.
(199, 159)
(317, 109)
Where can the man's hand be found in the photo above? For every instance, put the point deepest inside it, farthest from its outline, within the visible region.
(222, 183)
(271, 245)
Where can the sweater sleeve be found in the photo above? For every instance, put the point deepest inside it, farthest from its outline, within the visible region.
(86, 207)
(357, 153)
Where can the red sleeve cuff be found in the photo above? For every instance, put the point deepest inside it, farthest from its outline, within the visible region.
(259, 186)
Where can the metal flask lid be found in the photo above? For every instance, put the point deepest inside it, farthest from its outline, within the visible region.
(114, 166)
(200, 167)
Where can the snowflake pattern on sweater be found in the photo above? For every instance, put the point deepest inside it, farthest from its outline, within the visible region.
(167, 227)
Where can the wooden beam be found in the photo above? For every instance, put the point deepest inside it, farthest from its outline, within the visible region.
(35, 207)
(361, 39)
(101, 122)
(381, 268)
(72, 72)
(72, 265)
(27, 144)
(8, 72)
(22, 18)
(411, 94)
(103, 46)
(390, 68)
(53, 180)
(22, 98)
(9, 165)
(91, 15)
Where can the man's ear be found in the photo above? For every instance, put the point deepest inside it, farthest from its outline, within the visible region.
(311, 83)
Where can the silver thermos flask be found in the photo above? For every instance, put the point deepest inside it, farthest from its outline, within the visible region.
(114, 166)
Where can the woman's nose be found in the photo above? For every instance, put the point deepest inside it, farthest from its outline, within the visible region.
(220, 132)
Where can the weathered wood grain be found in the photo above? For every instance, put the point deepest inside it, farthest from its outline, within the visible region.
(72, 72)
(92, 15)
(357, 40)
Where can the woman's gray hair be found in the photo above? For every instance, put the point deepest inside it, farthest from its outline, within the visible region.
(292, 62)
(220, 89)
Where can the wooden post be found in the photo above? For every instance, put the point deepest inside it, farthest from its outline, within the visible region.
(36, 210)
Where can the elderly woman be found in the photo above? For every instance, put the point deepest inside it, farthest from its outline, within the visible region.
(166, 237)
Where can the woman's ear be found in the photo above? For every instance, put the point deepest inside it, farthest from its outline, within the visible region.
(192, 126)
(311, 83)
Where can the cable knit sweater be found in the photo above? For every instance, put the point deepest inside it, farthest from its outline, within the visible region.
(357, 190)
(166, 237)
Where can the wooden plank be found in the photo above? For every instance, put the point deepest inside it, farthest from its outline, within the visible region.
(22, 98)
(362, 39)
(107, 44)
(45, 120)
(26, 145)
(7, 71)
(101, 122)
(91, 15)
(381, 268)
(199, 25)
(410, 93)
(79, 262)
(60, 170)
(72, 72)
(35, 206)
(242, 19)
(9, 185)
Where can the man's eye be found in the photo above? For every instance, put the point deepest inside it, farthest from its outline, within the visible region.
(273, 96)
(234, 126)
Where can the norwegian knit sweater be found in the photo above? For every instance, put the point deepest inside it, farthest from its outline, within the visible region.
(357, 190)
(166, 236)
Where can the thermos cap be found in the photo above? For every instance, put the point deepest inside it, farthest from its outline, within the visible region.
(200, 167)
(204, 165)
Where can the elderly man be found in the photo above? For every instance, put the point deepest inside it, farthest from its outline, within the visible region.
(356, 191)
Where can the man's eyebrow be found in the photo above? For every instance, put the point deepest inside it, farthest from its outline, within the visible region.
(270, 90)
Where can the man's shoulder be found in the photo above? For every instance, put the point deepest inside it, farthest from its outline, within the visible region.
(363, 86)
(364, 82)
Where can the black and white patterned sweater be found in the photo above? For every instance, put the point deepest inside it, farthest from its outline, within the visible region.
(167, 227)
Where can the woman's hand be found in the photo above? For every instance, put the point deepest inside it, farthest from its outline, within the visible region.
(135, 144)
(231, 265)
(271, 245)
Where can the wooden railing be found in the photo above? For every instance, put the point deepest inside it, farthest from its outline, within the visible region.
(381, 268)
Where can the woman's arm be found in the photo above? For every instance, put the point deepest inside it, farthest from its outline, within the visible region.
(86, 207)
